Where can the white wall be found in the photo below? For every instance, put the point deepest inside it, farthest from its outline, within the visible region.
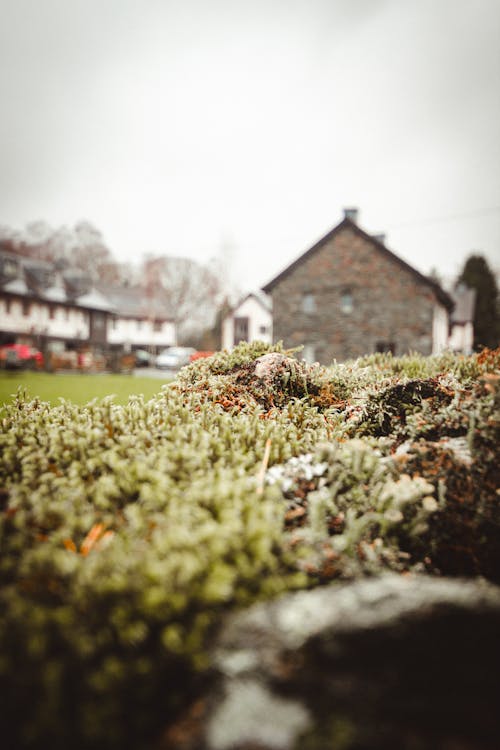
(73, 323)
(440, 323)
(140, 333)
(67, 322)
(258, 318)
(462, 338)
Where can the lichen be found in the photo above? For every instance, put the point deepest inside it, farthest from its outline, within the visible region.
(128, 532)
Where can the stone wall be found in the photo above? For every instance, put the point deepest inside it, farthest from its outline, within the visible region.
(389, 303)
(375, 664)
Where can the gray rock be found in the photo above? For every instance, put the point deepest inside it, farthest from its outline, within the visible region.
(407, 662)
(268, 365)
(250, 713)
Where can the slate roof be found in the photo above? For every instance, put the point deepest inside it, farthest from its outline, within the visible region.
(94, 300)
(133, 302)
(16, 286)
(55, 293)
(465, 303)
(56, 283)
(347, 223)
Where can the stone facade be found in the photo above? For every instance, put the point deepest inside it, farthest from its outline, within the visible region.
(349, 296)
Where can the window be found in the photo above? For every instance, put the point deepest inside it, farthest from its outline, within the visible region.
(346, 302)
(385, 346)
(66, 313)
(9, 268)
(26, 307)
(263, 329)
(308, 302)
(139, 325)
(7, 306)
(114, 323)
(157, 325)
(52, 312)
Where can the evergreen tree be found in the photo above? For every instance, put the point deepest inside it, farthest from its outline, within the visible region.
(477, 275)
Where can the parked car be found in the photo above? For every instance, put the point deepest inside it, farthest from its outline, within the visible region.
(20, 356)
(200, 355)
(142, 358)
(174, 357)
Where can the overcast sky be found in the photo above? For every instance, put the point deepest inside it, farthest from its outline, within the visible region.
(201, 127)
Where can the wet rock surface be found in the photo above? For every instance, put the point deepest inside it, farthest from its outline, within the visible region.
(387, 662)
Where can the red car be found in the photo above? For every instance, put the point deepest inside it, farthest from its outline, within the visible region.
(199, 355)
(20, 356)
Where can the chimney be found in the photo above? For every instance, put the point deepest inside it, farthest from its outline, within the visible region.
(351, 214)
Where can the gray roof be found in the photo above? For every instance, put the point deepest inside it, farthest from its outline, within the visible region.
(94, 300)
(347, 223)
(465, 303)
(38, 278)
(16, 286)
(133, 301)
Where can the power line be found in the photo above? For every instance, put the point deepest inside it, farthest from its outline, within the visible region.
(453, 217)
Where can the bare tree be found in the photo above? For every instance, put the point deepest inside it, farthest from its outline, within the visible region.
(81, 247)
(190, 291)
(89, 252)
(39, 240)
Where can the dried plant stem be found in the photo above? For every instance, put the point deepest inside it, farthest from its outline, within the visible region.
(263, 467)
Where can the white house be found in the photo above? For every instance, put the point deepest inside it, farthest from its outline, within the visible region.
(23, 316)
(250, 320)
(138, 322)
(61, 311)
(35, 306)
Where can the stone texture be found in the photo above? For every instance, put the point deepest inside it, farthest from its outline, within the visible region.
(389, 662)
(390, 304)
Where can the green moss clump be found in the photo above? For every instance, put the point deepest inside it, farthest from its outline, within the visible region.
(256, 375)
(354, 509)
(127, 532)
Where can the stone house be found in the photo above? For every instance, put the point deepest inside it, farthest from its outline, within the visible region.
(249, 320)
(349, 295)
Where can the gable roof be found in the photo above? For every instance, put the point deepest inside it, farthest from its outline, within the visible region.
(62, 284)
(347, 223)
(264, 302)
(16, 286)
(94, 300)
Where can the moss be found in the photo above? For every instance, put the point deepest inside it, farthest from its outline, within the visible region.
(127, 532)
(256, 374)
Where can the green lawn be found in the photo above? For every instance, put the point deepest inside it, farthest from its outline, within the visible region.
(77, 388)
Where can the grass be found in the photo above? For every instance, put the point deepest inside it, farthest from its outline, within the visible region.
(78, 388)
